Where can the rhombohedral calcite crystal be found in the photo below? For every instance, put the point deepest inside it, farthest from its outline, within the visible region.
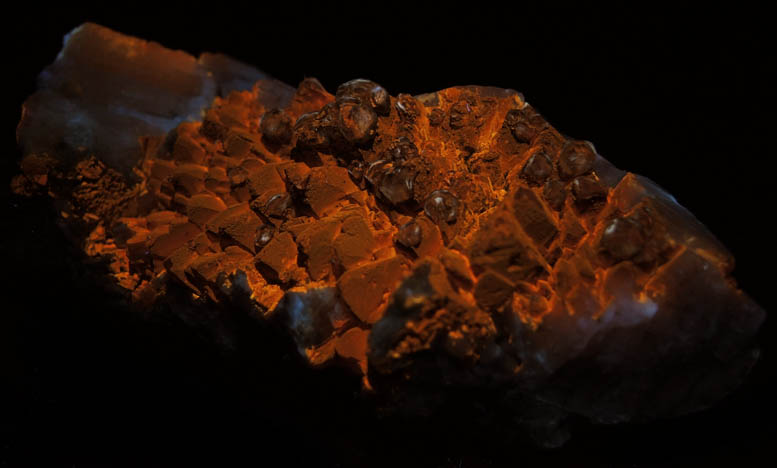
(448, 240)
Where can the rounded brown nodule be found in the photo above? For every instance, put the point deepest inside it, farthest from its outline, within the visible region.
(357, 123)
(276, 127)
(576, 159)
(263, 236)
(442, 206)
(410, 234)
(538, 168)
(622, 238)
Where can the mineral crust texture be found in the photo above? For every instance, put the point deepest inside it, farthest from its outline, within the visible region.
(448, 240)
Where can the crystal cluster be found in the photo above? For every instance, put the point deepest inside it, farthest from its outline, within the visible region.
(448, 239)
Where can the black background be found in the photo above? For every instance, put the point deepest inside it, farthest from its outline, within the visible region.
(682, 96)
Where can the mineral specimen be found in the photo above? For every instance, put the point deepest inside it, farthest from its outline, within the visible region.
(448, 240)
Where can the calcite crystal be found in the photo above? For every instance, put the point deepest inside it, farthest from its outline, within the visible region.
(448, 240)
